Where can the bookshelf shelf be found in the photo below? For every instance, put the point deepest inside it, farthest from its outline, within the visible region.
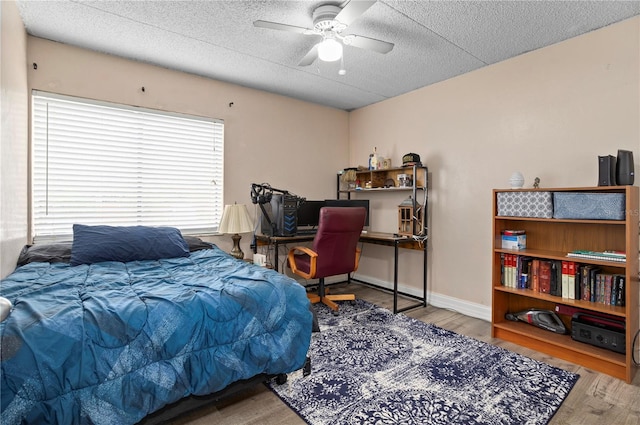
(561, 220)
(553, 239)
(585, 305)
(556, 255)
(384, 180)
(562, 346)
(381, 189)
(546, 337)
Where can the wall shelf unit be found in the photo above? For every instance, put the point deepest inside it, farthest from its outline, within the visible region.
(378, 181)
(552, 239)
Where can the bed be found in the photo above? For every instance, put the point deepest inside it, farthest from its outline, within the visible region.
(99, 333)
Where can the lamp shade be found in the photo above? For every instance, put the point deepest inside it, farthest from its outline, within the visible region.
(329, 50)
(235, 219)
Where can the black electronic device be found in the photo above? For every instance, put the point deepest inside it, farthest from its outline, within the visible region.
(624, 168)
(350, 203)
(309, 214)
(279, 211)
(543, 319)
(602, 332)
(281, 215)
(606, 170)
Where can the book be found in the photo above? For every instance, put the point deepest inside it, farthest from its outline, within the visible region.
(565, 279)
(616, 253)
(508, 269)
(512, 270)
(535, 275)
(599, 298)
(571, 280)
(593, 273)
(598, 255)
(525, 272)
(544, 276)
(516, 271)
(558, 271)
(585, 289)
(608, 279)
(509, 272)
(555, 279)
(620, 299)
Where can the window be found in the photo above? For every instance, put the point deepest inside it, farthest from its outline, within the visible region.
(100, 163)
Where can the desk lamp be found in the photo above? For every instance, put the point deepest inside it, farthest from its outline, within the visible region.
(235, 220)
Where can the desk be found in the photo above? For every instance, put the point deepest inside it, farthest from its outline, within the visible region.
(378, 238)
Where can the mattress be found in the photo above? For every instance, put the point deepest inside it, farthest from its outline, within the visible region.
(111, 342)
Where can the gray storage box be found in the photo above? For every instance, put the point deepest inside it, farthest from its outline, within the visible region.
(525, 204)
(589, 205)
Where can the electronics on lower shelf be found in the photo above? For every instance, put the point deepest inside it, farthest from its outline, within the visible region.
(604, 332)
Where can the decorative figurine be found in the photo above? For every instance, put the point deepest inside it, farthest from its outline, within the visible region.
(536, 182)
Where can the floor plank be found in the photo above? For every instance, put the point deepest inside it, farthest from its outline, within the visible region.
(596, 398)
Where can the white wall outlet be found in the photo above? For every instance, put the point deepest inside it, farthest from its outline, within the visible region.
(260, 259)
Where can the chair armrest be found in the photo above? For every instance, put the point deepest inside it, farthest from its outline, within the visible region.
(358, 251)
(313, 256)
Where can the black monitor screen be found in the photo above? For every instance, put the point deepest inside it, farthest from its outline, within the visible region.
(350, 203)
(309, 213)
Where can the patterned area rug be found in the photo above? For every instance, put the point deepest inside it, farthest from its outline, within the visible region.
(370, 366)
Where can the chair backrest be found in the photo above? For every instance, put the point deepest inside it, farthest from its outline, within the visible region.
(336, 241)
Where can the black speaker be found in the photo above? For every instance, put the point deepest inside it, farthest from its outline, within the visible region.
(624, 168)
(607, 170)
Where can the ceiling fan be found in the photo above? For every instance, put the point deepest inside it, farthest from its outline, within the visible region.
(329, 22)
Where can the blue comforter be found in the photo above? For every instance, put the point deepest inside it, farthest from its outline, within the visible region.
(110, 342)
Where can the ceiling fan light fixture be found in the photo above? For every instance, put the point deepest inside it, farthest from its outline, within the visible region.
(329, 50)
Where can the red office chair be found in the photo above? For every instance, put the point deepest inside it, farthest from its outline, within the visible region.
(334, 251)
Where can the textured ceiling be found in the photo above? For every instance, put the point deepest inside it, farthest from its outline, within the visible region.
(434, 40)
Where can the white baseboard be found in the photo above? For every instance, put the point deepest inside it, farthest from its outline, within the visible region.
(467, 308)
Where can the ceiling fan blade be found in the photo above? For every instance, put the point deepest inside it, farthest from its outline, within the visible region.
(352, 10)
(281, 27)
(369, 43)
(310, 57)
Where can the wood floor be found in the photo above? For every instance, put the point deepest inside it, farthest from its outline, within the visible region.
(596, 399)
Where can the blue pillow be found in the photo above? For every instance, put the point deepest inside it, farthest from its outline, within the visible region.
(94, 244)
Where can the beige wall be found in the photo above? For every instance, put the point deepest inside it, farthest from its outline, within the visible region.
(290, 144)
(13, 136)
(548, 113)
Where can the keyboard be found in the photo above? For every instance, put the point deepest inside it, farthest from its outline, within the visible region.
(303, 232)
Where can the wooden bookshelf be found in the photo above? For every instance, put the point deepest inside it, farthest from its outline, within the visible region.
(552, 239)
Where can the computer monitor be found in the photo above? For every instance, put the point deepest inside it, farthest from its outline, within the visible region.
(350, 203)
(309, 213)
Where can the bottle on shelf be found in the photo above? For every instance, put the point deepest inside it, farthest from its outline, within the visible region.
(374, 160)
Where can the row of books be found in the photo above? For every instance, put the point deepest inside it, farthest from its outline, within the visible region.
(566, 279)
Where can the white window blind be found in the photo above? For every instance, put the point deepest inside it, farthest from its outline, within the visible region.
(99, 163)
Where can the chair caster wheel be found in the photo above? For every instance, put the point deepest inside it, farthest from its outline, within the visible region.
(335, 312)
(281, 379)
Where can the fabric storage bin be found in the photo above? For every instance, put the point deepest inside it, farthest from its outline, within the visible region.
(589, 206)
(537, 204)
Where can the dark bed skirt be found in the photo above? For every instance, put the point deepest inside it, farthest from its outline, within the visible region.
(188, 404)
